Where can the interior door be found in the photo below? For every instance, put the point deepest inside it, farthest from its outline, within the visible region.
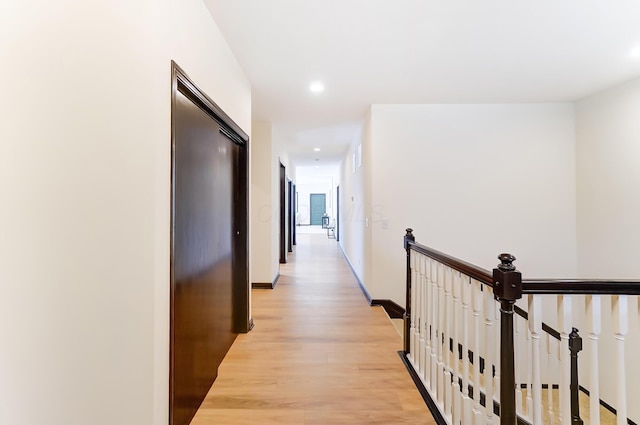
(318, 203)
(209, 282)
(337, 213)
(294, 213)
(283, 214)
(290, 215)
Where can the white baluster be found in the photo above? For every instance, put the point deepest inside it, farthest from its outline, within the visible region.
(414, 347)
(496, 365)
(441, 334)
(466, 401)
(490, 358)
(620, 313)
(425, 318)
(476, 294)
(564, 318)
(535, 327)
(594, 311)
(410, 356)
(435, 326)
(429, 325)
(420, 318)
(457, 313)
(527, 358)
(550, 379)
(517, 353)
(448, 399)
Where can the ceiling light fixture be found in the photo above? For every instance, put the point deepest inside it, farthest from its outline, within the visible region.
(316, 87)
(316, 149)
(635, 53)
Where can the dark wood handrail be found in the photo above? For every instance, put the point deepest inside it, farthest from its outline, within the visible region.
(581, 287)
(478, 273)
(535, 286)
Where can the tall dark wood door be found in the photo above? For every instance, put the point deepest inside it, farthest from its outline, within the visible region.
(290, 216)
(208, 280)
(294, 213)
(283, 214)
(337, 213)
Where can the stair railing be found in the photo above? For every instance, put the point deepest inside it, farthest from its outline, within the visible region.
(461, 353)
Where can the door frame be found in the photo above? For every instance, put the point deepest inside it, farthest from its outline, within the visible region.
(283, 213)
(181, 83)
(294, 213)
(338, 213)
(290, 225)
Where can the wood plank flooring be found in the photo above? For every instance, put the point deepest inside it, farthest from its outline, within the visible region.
(318, 355)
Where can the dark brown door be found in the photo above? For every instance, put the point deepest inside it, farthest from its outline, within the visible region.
(283, 214)
(337, 213)
(209, 288)
(290, 215)
(294, 213)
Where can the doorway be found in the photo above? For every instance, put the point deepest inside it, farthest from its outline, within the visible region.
(283, 214)
(291, 216)
(209, 287)
(338, 214)
(294, 213)
(318, 207)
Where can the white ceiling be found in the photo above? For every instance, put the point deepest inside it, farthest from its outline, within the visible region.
(418, 51)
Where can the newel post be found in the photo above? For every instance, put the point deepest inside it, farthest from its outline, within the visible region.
(575, 346)
(407, 309)
(507, 288)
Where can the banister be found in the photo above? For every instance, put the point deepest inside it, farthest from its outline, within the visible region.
(507, 286)
(581, 286)
(531, 286)
(477, 273)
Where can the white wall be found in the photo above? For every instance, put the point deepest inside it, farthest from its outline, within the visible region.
(263, 266)
(608, 208)
(608, 159)
(354, 233)
(472, 181)
(267, 155)
(85, 186)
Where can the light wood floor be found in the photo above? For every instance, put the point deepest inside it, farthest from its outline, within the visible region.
(319, 354)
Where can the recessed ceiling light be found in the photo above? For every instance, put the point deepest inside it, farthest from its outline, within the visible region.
(635, 53)
(316, 87)
(316, 149)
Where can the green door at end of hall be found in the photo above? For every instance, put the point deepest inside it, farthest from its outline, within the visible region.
(318, 204)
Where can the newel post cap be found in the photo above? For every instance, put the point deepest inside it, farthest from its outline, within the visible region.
(507, 281)
(575, 341)
(506, 262)
(408, 237)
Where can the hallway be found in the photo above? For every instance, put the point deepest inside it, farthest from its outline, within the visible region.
(318, 354)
